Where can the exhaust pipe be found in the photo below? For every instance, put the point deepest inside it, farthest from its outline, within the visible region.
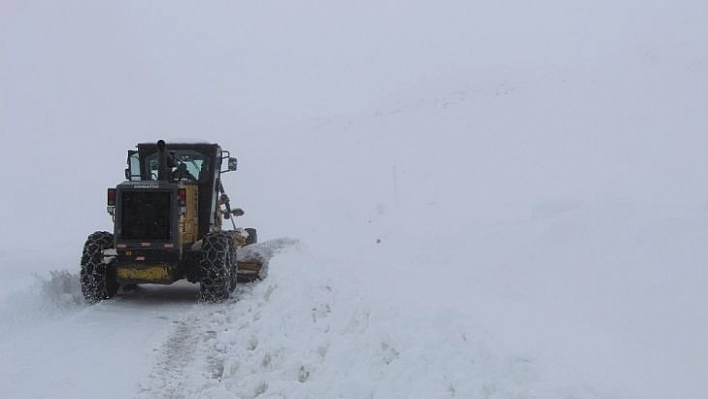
(163, 170)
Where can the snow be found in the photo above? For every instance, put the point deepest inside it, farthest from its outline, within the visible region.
(461, 199)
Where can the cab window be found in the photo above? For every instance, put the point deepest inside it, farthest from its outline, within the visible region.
(185, 165)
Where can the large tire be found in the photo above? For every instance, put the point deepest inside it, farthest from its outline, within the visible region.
(232, 261)
(98, 278)
(252, 236)
(217, 267)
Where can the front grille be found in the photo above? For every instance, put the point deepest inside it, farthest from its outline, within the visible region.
(145, 215)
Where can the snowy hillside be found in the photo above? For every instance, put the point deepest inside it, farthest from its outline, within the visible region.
(463, 199)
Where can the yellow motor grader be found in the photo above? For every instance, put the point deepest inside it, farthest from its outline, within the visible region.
(168, 221)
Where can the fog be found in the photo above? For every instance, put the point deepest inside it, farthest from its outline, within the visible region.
(549, 155)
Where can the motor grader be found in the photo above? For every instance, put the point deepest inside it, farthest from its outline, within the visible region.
(168, 221)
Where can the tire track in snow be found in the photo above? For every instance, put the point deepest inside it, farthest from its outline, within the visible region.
(175, 355)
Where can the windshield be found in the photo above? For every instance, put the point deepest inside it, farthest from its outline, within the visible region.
(188, 165)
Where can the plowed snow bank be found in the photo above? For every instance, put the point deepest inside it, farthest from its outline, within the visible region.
(307, 331)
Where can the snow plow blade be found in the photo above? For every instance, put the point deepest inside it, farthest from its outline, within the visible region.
(249, 271)
(253, 259)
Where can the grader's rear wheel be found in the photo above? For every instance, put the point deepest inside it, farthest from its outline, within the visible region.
(217, 267)
(98, 277)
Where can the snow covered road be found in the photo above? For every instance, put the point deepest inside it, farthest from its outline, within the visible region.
(303, 332)
(67, 349)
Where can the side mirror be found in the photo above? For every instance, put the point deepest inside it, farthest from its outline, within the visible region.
(127, 174)
(233, 164)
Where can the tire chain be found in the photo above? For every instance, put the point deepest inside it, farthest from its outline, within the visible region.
(232, 261)
(95, 279)
(216, 263)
